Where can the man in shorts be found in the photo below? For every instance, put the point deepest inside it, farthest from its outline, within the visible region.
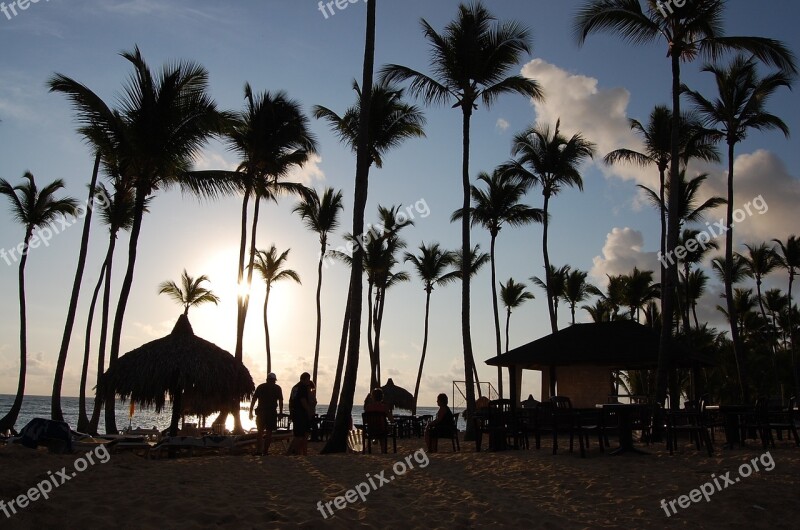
(301, 412)
(268, 396)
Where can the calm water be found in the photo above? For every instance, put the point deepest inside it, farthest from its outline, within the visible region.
(39, 407)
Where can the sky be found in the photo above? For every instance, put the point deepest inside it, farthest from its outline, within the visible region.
(291, 45)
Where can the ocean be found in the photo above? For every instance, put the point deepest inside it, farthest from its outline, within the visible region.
(39, 407)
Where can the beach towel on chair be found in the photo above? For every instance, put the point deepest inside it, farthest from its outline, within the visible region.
(54, 434)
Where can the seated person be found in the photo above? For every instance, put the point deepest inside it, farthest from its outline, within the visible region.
(376, 404)
(442, 426)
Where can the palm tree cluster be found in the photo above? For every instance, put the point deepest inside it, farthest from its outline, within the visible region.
(148, 141)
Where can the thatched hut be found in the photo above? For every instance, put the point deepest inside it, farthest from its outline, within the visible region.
(195, 374)
(396, 396)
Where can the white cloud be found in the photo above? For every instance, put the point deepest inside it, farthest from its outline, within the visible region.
(208, 160)
(502, 125)
(308, 173)
(621, 253)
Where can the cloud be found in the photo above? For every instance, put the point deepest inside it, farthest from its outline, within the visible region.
(308, 173)
(209, 160)
(502, 125)
(599, 114)
(621, 253)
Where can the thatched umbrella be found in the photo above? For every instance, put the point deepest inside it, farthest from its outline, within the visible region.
(396, 396)
(196, 375)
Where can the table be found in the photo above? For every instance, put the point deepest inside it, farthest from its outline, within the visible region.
(625, 417)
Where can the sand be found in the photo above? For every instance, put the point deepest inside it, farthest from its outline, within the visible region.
(510, 489)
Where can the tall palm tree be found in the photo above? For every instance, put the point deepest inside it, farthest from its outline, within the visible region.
(696, 282)
(431, 265)
(690, 31)
(33, 208)
(513, 295)
(739, 107)
(760, 261)
(337, 442)
(190, 293)
(548, 159)
(789, 257)
(271, 266)
(389, 122)
(474, 263)
(96, 137)
(117, 215)
(162, 121)
(557, 286)
(321, 215)
(694, 287)
(499, 204)
(470, 61)
(577, 290)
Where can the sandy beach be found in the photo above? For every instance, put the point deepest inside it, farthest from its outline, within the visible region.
(519, 489)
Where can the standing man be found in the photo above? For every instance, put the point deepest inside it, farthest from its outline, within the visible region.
(268, 396)
(301, 413)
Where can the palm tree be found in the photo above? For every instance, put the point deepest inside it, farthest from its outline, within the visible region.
(474, 263)
(741, 106)
(639, 291)
(321, 215)
(694, 284)
(548, 159)
(33, 208)
(387, 121)
(760, 261)
(271, 266)
(612, 300)
(337, 442)
(599, 312)
(692, 30)
(499, 204)
(513, 295)
(470, 60)
(190, 293)
(557, 286)
(577, 290)
(431, 265)
(79, 95)
(162, 121)
(789, 259)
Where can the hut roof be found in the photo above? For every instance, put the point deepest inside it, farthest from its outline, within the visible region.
(397, 396)
(209, 377)
(622, 344)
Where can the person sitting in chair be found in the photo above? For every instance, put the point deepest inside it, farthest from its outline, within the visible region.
(376, 404)
(442, 426)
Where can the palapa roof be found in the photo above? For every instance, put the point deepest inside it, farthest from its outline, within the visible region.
(209, 377)
(621, 344)
(397, 396)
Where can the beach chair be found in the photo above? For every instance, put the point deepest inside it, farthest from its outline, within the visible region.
(452, 434)
(567, 420)
(378, 428)
(690, 421)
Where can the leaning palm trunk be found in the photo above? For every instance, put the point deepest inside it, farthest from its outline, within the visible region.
(9, 420)
(122, 304)
(496, 317)
(424, 350)
(370, 343)
(378, 327)
(61, 363)
(266, 332)
(337, 443)
(324, 247)
(94, 421)
(337, 382)
(83, 418)
(548, 285)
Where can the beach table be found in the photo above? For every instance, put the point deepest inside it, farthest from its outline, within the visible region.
(625, 414)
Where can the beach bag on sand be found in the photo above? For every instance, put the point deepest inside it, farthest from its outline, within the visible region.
(53, 434)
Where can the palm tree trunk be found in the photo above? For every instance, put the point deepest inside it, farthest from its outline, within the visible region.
(324, 245)
(83, 418)
(694, 314)
(370, 343)
(337, 443)
(61, 363)
(378, 327)
(548, 286)
(424, 348)
(572, 312)
(94, 421)
(466, 248)
(496, 316)
(266, 331)
(738, 349)
(122, 303)
(337, 382)
(508, 322)
(10, 419)
(239, 300)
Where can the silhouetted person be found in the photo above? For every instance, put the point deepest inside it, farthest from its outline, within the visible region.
(268, 396)
(301, 413)
(441, 426)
